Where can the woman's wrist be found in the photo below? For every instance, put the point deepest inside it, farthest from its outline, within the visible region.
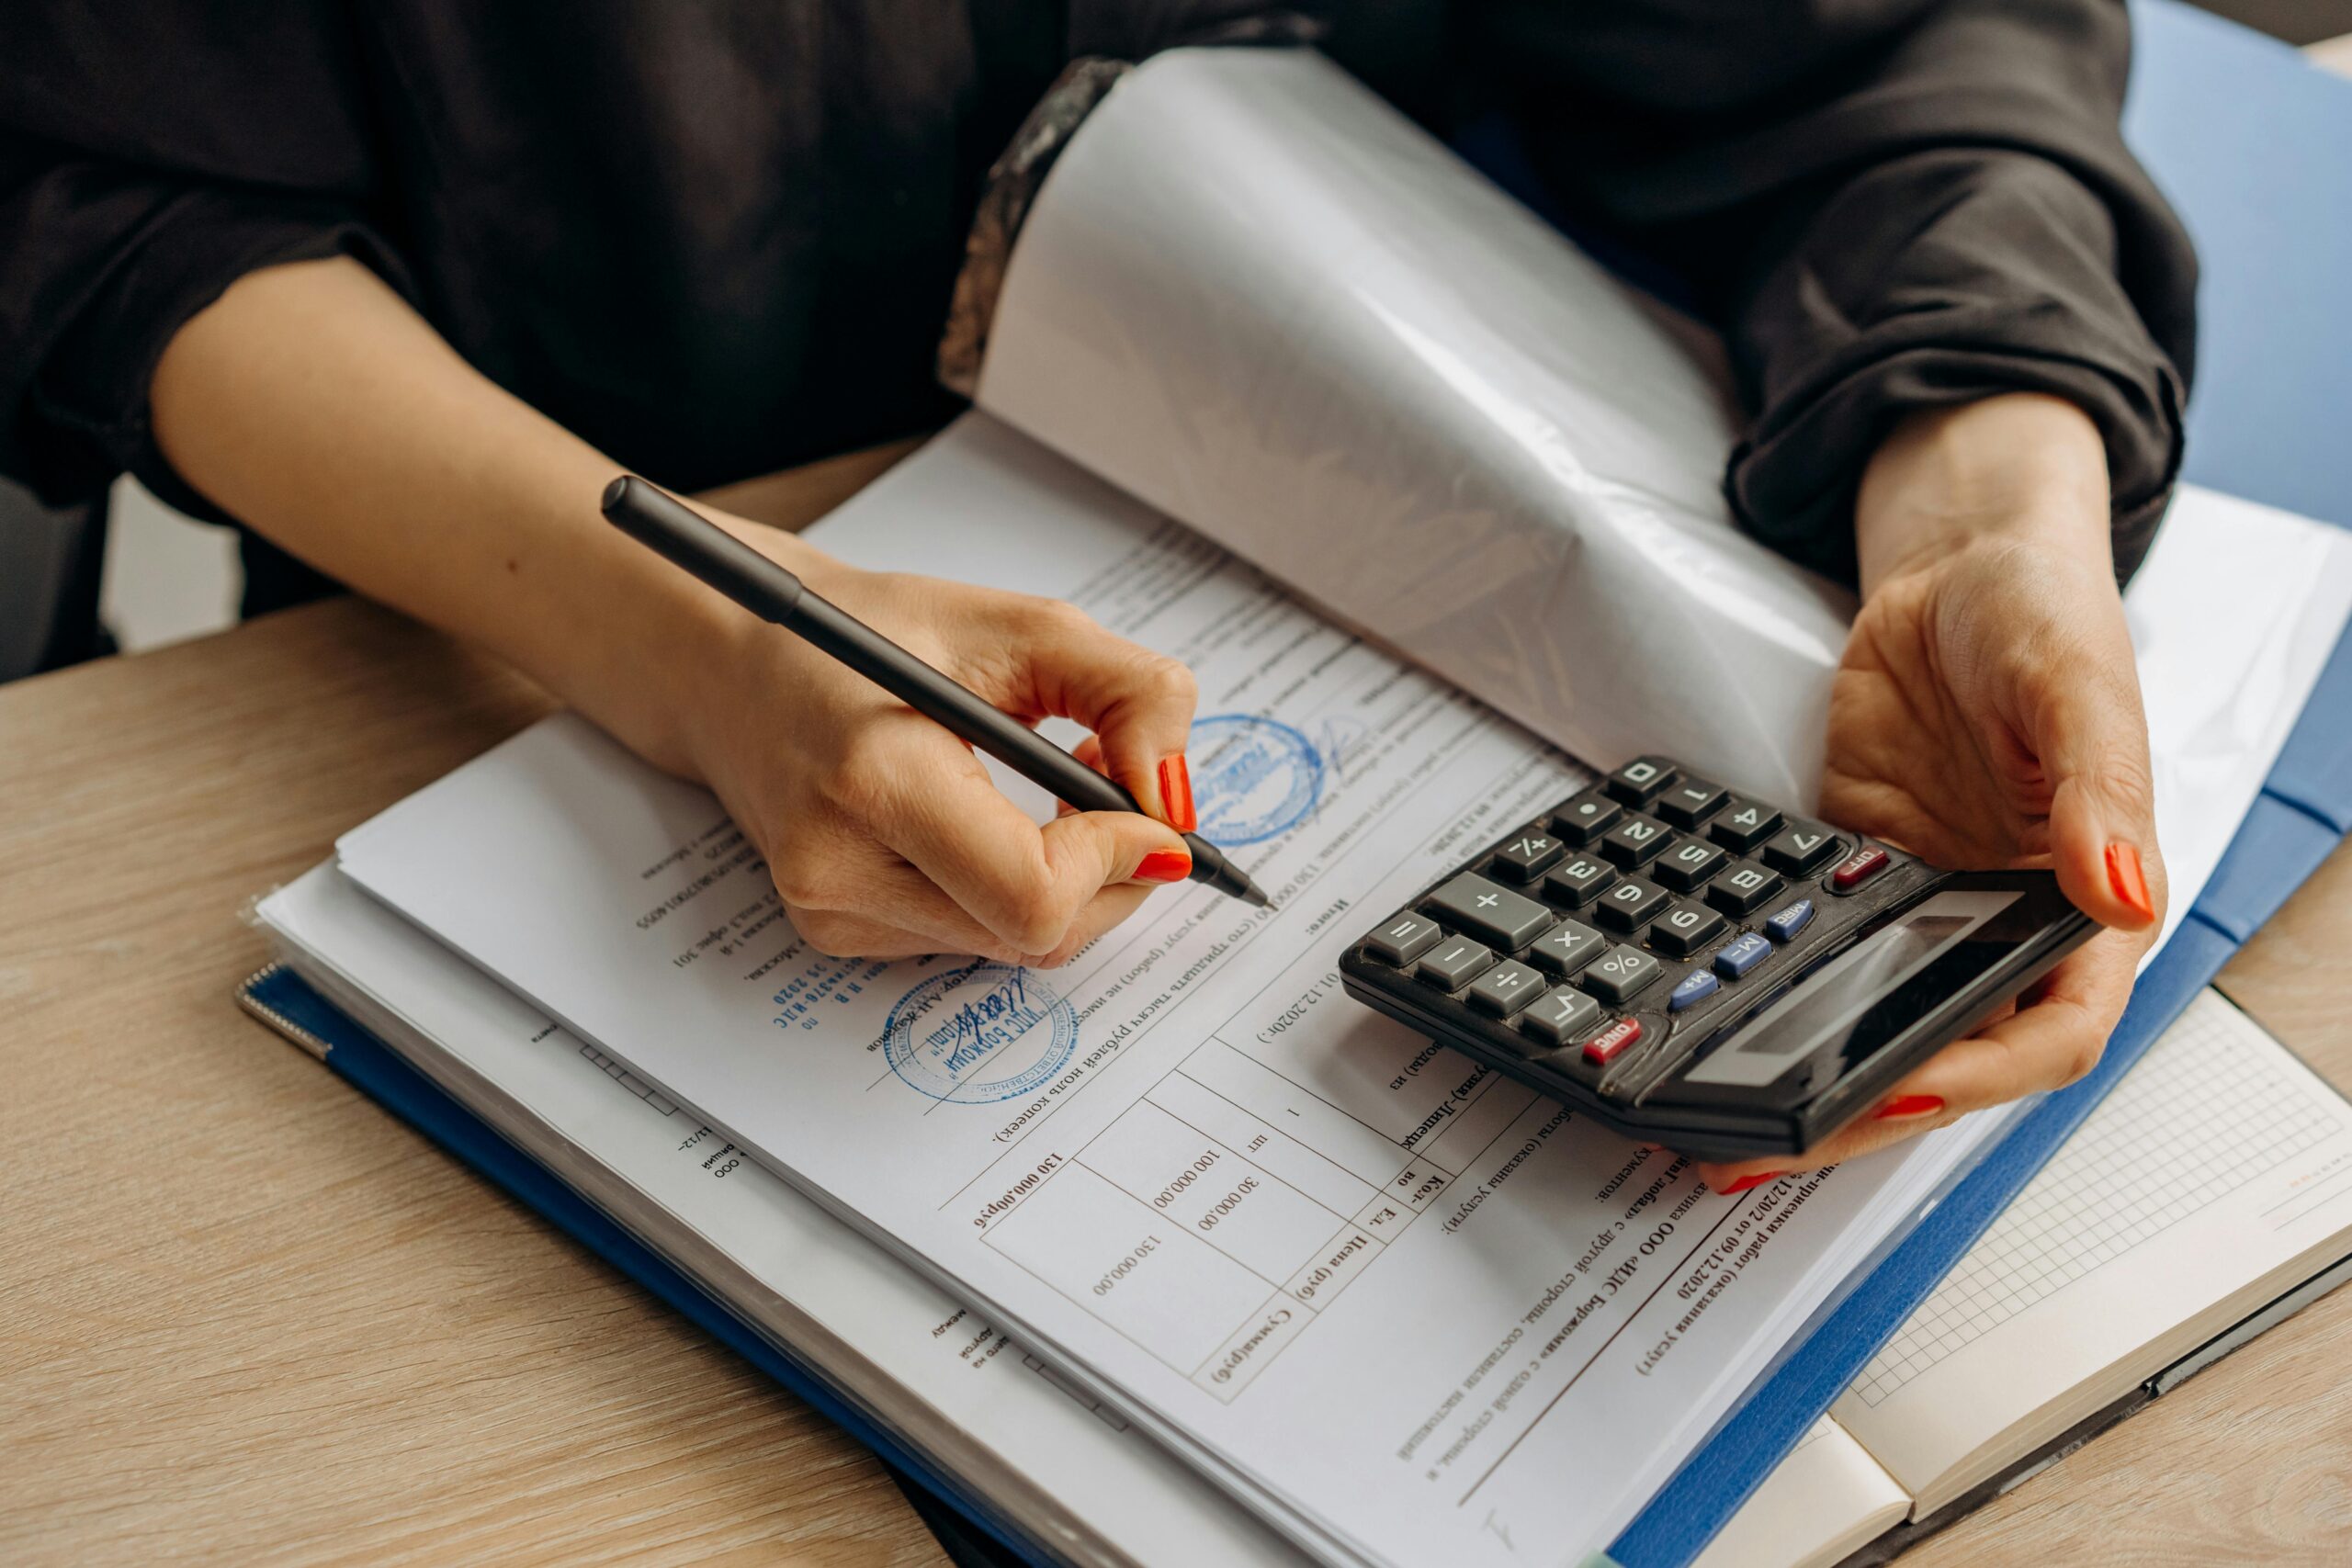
(2020, 467)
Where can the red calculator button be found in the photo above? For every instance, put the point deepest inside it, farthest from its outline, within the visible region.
(1858, 868)
(1606, 1044)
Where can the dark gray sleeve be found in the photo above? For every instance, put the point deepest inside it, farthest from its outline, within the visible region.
(1888, 204)
(153, 152)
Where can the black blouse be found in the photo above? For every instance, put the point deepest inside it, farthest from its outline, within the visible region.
(719, 238)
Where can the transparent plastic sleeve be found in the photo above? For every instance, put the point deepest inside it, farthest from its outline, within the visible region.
(1254, 296)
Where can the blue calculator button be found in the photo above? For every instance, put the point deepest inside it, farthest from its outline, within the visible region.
(1740, 954)
(1695, 986)
(1785, 924)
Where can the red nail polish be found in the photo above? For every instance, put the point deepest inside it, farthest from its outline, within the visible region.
(2131, 884)
(1176, 794)
(1746, 1182)
(1903, 1106)
(1164, 865)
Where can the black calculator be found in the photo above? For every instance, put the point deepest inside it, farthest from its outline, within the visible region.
(1701, 969)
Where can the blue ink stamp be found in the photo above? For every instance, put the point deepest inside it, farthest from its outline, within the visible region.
(1253, 778)
(982, 1032)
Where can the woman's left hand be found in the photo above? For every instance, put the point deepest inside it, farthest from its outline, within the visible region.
(1987, 714)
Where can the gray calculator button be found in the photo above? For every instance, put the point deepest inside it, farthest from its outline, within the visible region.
(1688, 801)
(1530, 852)
(1618, 975)
(1489, 911)
(1743, 823)
(1561, 1018)
(1638, 780)
(1743, 887)
(1625, 907)
(1454, 962)
(1586, 818)
(1799, 847)
(1684, 928)
(1403, 938)
(1577, 879)
(1565, 948)
(1687, 863)
(1633, 840)
(1507, 988)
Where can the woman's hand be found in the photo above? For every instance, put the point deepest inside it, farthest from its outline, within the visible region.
(883, 831)
(1987, 715)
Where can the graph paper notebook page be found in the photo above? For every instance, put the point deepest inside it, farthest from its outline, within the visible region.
(1380, 1297)
(2213, 1182)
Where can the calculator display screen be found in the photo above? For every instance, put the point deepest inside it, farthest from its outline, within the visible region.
(1873, 991)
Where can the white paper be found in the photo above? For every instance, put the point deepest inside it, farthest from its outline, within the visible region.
(1124, 1489)
(1504, 1327)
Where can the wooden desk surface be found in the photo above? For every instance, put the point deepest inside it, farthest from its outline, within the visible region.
(245, 1314)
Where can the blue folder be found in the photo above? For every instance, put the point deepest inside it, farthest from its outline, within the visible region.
(2255, 148)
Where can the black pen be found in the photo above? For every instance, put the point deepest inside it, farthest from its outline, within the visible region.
(685, 538)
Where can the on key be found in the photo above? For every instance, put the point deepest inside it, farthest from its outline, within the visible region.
(1489, 911)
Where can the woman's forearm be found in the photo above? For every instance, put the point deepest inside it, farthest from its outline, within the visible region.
(311, 402)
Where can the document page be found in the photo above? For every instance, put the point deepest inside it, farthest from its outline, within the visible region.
(983, 1403)
(1406, 1310)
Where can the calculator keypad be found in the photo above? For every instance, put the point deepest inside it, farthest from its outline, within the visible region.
(1630, 917)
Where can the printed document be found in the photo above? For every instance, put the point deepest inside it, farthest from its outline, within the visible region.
(1408, 1310)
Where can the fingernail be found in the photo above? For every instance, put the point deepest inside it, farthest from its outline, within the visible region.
(1746, 1182)
(1164, 865)
(2131, 884)
(1905, 1106)
(1176, 794)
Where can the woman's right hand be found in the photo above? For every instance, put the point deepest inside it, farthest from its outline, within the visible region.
(883, 831)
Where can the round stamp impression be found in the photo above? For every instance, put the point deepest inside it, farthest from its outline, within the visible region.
(1252, 778)
(981, 1033)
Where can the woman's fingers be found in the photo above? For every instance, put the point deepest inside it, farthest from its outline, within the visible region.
(2053, 1036)
(1137, 702)
(1026, 886)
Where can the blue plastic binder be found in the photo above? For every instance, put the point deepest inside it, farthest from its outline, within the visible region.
(2255, 147)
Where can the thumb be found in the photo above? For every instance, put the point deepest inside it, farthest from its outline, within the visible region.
(2093, 744)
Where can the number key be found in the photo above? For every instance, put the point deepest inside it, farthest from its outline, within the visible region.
(1743, 887)
(1625, 907)
(1684, 928)
(1687, 863)
(1799, 847)
(1640, 779)
(1577, 883)
(1633, 840)
(1743, 823)
(1690, 801)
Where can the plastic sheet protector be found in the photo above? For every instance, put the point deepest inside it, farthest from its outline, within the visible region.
(1402, 1310)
